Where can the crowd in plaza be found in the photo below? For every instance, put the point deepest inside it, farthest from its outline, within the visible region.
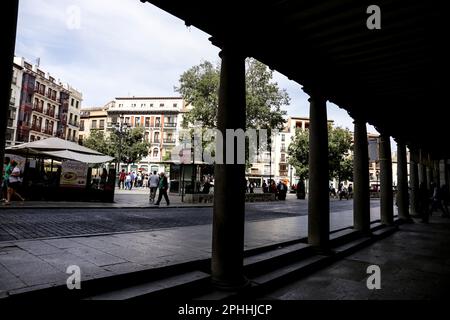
(280, 189)
(153, 181)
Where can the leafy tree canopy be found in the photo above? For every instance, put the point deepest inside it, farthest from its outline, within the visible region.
(131, 146)
(199, 87)
(339, 147)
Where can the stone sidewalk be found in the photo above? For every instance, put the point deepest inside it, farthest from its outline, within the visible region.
(32, 264)
(135, 198)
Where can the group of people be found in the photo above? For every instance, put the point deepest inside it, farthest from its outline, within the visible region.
(11, 181)
(280, 189)
(342, 192)
(132, 180)
(153, 181)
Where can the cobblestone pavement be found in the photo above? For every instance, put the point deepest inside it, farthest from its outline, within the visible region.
(36, 223)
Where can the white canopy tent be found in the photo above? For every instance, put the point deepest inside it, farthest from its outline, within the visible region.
(59, 149)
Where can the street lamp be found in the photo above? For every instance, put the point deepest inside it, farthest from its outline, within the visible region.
(269, 140)
(121, 129)
(377, 173)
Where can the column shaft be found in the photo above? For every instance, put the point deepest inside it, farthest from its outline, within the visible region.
(10, 9)
(386, 194)
(414, 182)
(446, 172)
(361, 199)
(318, 197)
(229, 194)
(402, 182)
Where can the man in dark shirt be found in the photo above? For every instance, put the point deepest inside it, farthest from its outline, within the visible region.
(163, 187)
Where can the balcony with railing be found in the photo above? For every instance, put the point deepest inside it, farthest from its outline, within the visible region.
(40, 92)
(38, 108)
(35, 127)
(169, 141)
(48, 131)
(170, 125)
(156, 141)
(49, 112)
(77, 124)
(24, 125)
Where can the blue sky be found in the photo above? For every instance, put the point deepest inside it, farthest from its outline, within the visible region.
(111, 48)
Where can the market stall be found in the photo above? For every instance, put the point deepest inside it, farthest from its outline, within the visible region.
(56, 169)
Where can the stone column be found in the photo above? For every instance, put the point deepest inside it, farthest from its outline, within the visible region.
(437, 173)
(446, 172)
(422, 169)
(318, 196)
(386, 194)
(429, 175)
(361, 193)
(414, 181)
(402, 182)
(229, 194)
(9, 17)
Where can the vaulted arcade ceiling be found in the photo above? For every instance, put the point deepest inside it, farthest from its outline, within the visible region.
(394, 77)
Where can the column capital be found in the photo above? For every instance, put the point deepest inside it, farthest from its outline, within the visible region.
(399, 140)
(314, 93)
(227, 46)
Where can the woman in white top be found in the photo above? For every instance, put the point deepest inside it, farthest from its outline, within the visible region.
(14, 183)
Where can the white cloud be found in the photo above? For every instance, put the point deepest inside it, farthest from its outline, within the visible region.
(125, 47)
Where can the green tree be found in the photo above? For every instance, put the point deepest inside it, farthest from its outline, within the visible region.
(199, 87)
(339, 147)
(98, 141)
(131, 146)
(299, 153)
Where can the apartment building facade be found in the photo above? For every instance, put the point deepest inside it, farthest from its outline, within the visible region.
(43, 109)
(14, 105)
(161, 119)
(273, 164)
(92, 119)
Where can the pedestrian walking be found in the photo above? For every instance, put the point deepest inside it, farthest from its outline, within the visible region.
(282, 190)
(14, 183)
(128, 181)
(5, 178)
(251, 187)
(264, 187)
(122, 177)
(350, 191)
(163, 186)
(103, 179)
(153, 183)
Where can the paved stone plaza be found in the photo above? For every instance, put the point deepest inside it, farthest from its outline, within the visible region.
(31, 264)
(42, 222)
